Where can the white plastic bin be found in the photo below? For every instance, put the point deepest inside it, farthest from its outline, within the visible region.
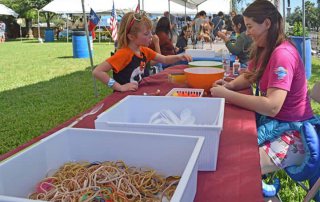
(133, 114)
(167, 154)
(200, 53)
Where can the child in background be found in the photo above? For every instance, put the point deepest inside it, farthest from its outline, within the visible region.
(182, 42)
(128, 63)
(243, 42)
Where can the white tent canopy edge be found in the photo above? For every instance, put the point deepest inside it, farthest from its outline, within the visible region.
(4, 10)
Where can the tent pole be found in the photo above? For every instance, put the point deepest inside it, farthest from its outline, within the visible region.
(185, 12)
(304, 34)
(20, 33)
(284, 14)
(67, 28)
(39, 36)
(89, 46)
(99, 33)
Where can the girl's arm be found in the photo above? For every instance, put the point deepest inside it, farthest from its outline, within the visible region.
(100, 72)
(170, 59)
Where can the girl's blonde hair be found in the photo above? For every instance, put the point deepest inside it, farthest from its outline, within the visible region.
(131, 23)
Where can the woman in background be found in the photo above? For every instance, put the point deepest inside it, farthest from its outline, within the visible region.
(163, 31)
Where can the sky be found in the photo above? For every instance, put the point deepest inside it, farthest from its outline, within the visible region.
(293, 3)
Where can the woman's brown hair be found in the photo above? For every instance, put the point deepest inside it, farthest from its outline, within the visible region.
(259, 11)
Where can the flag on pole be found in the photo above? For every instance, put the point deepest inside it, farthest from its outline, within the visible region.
(113, 23)
(138, 8)
(93, 22)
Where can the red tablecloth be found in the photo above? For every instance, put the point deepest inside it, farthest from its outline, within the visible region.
(237, 177)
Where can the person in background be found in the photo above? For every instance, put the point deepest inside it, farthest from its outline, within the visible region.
(79, 24)
(205, 32)
(2, 31)
(232, 14)
(198, 22)
(218, 22)
(278, 71)
(182, 42)
(128, 62)
(163, 31)
(228, 23)
(243, 42)
(173, 26)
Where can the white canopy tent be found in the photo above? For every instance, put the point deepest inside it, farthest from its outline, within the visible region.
(214, 6)
(75, 7)
(4, 10)
(105, 6)
(192, 4)
(149, 6)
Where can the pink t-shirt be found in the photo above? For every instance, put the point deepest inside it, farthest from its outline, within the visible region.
(285, 70)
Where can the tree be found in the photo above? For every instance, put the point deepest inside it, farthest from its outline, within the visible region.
(312, 16)
(28, 9)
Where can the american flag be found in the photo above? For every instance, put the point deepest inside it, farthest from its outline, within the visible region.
(113, 23)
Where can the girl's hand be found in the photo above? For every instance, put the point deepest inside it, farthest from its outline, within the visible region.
(128, 87)
(185, 57)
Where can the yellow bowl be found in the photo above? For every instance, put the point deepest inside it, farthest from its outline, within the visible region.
(177, 78)
(203, 77)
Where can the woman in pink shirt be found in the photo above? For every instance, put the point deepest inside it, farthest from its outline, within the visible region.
(277, 70)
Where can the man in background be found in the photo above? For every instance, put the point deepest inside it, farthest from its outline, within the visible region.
(2, 31)
(174, 26)
(199, 21)
(218, 22)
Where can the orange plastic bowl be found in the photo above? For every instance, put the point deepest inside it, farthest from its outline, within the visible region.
(203, 77)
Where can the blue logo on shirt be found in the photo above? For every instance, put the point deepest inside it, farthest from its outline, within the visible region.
(281, 72)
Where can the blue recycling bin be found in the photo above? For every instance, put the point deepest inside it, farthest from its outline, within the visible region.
(298, 41)
(49, 35)
(80, 44)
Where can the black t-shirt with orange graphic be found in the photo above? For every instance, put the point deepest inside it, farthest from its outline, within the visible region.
(128, 67)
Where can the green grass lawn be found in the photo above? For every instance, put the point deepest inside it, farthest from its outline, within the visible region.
(42, 86)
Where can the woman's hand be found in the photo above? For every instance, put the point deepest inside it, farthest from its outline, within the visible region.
(219, 91)
(222, 82)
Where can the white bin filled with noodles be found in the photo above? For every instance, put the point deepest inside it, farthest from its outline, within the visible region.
(95, 165)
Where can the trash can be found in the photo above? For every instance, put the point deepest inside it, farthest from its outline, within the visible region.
(80, 45)
(298, 41)
(49, 35)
